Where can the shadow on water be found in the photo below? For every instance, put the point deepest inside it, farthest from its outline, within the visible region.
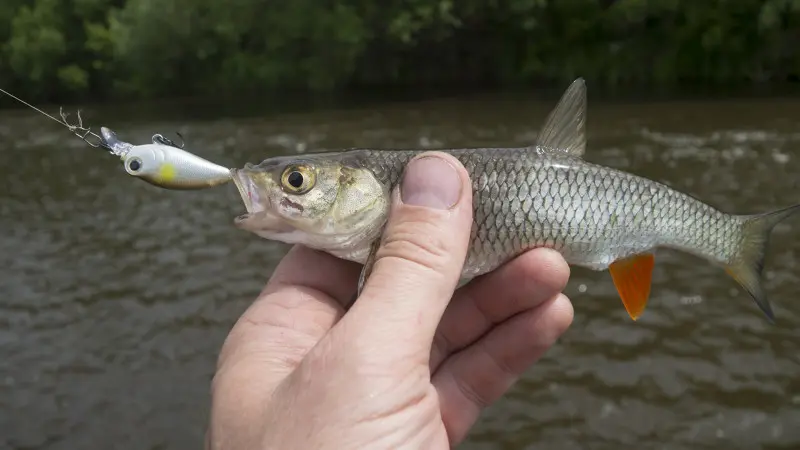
(115, 296)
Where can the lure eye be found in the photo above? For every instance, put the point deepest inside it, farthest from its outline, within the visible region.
(297, 179)
(134, 165)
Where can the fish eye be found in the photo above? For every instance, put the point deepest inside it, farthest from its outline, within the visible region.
(134, 165)
(297, 179)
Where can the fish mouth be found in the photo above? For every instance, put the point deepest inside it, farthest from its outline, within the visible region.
(249, 193)
(259, 218)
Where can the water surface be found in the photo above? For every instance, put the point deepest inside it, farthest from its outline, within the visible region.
(115, 296)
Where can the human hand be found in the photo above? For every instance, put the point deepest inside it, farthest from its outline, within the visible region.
(405, 367)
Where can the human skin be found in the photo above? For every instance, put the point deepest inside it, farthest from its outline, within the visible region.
(414, 361)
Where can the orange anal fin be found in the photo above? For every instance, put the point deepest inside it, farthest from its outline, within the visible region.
(633, 277)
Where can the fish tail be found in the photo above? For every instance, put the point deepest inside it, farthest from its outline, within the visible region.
(747, 266)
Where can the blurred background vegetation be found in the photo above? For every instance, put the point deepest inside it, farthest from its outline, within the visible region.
(63, 50)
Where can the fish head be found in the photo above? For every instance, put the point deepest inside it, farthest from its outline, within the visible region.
(324, 201)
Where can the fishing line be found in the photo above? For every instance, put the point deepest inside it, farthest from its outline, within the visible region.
(73, 128)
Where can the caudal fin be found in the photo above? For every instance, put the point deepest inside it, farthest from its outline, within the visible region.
(747, 267)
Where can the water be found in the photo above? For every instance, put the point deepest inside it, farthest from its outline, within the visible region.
(115, 296)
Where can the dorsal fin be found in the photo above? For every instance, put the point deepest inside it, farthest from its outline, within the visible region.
(564, 131)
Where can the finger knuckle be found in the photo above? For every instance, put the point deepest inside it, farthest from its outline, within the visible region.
(418, 242)
(502, 363)
(469, 392)
(441, 346)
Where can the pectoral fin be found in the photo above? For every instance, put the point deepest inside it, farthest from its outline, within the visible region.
(362, 279)
(365, 271)
(633, 277)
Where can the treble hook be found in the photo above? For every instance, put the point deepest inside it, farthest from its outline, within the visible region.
(161, 139)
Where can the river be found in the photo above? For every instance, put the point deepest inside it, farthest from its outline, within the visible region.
(115, 296)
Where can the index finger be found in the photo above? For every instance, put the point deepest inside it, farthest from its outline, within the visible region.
(300, 303)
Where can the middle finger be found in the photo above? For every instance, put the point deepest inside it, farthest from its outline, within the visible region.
(523, 283)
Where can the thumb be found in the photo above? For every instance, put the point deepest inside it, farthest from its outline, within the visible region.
(419, 262)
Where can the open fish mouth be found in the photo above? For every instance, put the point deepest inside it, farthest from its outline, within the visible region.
(249, 193)
(260, 218)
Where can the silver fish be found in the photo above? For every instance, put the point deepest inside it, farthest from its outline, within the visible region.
(545, 195)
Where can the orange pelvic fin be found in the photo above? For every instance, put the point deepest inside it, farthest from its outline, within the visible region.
(632, 277)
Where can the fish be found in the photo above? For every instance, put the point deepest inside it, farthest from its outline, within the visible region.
(542, 195)
(164, 164)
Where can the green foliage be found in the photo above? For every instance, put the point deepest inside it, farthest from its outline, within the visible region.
(142, 48)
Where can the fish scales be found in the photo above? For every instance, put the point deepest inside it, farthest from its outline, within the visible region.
(544, 195)
(592, 215)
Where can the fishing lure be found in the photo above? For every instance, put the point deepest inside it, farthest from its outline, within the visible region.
(161, 163)
(164, 164)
